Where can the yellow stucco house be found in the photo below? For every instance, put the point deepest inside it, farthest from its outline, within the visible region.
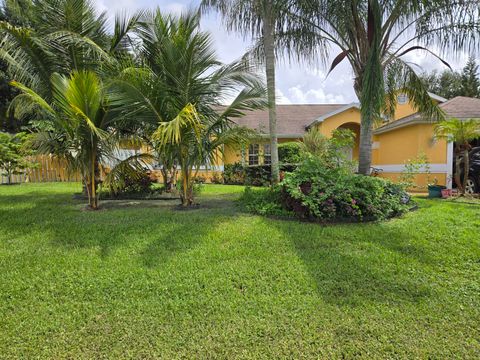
(404, 137)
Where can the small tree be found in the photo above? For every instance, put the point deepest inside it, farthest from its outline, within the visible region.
(470, 79)
(460, 132)
(13, 152)
(78, 125)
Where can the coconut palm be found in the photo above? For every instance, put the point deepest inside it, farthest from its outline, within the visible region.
(461, 133)
(374, 35)
(177, 97)
(77, 125)
(59, 36)
(276, 32)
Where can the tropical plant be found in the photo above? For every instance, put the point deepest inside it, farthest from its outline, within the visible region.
(460, 132)
(179, 112)
(77, 124)
(14, 149)
(289, 152)
(413, 167)
(276, 29)
(330, 150)
(40, 38)
(374, 36)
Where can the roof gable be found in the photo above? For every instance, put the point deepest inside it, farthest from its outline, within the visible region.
(292, 120)
(335, 112)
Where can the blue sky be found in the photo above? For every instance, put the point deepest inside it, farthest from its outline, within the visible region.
(296, 83)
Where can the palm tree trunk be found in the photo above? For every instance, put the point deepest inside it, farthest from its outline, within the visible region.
(269, 47)
(365, 147)
(458, 179)
(93, 185)
(466, 168)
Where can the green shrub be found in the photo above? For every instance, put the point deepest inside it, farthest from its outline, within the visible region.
(200, 179)
(317, 191)
(133, 183)
(217, 178)
(264, 201)
(290, 152)
(234, 174)
(258, 175)
(314, 190)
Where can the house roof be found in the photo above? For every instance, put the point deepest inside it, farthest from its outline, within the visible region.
(335, 112)
(460, 107)
(292, 120)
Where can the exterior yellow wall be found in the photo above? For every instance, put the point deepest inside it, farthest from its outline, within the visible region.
(421, 180)
(349, 116)
(397, 146)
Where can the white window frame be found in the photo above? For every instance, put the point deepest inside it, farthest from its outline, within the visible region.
(253, 154)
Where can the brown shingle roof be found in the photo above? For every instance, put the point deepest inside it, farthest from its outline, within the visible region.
(460, 107)
(291, 119)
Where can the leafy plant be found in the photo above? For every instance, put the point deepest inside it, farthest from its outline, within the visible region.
(317, 191)
(413, 167)
(460, 132)
(264, 201)
(14, 150)
(79, 121)
(217, 178)
(289, 152)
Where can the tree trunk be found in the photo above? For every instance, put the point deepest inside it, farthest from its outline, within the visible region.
(269, 48)
(458, 179)
(466, 169)
(365, 147)
(93, 184)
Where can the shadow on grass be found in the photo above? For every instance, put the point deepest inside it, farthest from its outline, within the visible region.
(152, 225)
(360, 264)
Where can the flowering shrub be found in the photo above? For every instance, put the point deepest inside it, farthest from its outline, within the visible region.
(314, 190)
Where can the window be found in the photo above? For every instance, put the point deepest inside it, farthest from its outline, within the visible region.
(253, 154)
(267, 154)
(402, 99)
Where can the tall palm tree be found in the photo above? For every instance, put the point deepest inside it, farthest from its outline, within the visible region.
(79, 124)
(176, 98)
(461, 133)
(374, 36)
(276, 31)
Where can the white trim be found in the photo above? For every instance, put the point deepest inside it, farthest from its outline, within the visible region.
(449, 164)
(398, 168)
(436, 97)
(334, 112)
(211, 168)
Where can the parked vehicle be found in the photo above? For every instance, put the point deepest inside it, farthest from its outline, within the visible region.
(473, 182)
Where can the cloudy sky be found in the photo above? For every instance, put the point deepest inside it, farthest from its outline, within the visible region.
(296, 84)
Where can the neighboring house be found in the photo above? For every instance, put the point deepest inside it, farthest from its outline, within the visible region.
(395, 142)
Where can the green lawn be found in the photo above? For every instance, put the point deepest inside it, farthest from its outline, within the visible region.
(142, 280)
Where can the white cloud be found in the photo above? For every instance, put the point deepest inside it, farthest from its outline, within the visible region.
(296, 83)
(281, 99)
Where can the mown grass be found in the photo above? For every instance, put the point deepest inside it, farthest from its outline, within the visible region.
(142, 280)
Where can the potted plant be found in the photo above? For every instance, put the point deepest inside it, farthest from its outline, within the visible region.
(435, 190)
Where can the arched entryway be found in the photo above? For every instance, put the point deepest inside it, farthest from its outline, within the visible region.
(352, 153)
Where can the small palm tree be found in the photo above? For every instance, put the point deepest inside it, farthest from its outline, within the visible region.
(179, 112)
(77, 124)
(461, 133)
